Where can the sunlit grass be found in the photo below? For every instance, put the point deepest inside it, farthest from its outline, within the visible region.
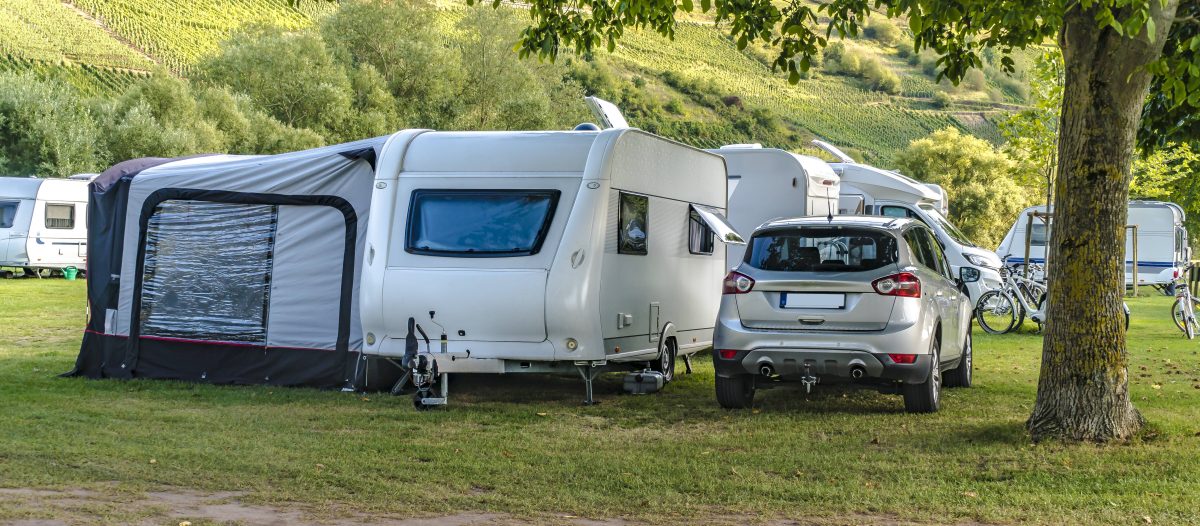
(524, 445)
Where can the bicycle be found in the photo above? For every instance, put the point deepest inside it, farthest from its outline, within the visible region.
(1184, 311)
(1004, 310)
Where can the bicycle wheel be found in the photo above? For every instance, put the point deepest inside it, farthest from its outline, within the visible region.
(1178, 314)
(997, 312)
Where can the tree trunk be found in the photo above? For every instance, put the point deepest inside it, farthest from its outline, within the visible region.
(1083, 390)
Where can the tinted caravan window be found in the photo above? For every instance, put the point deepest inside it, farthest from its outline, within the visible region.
(822, 249)
(1038, 234)
(8, 213)
(479, 223)
(633, 224)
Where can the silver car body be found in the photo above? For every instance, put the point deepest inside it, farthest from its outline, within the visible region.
(832, 341)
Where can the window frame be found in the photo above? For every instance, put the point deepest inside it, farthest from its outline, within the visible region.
(621, 196)
(46, 216)
(542, 233)
(694, 221)
(916, 247)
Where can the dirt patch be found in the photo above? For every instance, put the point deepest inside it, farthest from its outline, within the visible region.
(38, 507)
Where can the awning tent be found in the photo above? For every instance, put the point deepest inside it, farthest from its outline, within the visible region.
(229, 269)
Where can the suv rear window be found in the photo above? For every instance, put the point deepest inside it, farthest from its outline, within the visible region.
(817, 249)
(479, 223)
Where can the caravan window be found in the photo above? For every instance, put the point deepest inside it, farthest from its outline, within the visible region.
(8, 213)
(479, 223)
(207, 271)
(633, 226)
(60, 216)
(700, 237)
(822, 249)
(1038, 234)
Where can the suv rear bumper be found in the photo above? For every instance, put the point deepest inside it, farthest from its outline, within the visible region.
(790, 362)
(832, 354)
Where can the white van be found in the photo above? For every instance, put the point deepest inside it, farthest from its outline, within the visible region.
(545, 251)
(43, 224)
(868, 190)
(1162, 241)
(768, 183)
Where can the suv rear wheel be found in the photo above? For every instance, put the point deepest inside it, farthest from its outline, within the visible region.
(961, 375)
(925, 397)
(736, 392)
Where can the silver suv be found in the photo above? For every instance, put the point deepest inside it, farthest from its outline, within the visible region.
(867, 300)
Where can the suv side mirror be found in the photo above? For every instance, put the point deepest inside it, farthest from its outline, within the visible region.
(968, 274)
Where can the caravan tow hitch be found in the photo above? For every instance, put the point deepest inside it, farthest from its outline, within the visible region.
(421, 370)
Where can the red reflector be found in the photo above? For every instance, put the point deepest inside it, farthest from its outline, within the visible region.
(727, 354)
(903, 358)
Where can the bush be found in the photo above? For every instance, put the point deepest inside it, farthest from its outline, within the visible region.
(880, 77)
(975, 80)
(883, 31)
(46, 129)
(941, 99)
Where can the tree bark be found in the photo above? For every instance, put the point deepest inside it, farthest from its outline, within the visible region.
(1083, 389)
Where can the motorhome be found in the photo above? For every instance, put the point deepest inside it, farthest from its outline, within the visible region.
(867, 190)
(768, 183)
(540, 251)
(545, 251)
(1162, 241)
(42, 224)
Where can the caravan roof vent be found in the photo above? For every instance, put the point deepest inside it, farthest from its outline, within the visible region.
(749, 146)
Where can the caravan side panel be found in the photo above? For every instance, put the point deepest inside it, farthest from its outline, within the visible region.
(641, 295)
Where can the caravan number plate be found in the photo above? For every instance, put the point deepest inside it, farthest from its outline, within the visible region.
(793, 300)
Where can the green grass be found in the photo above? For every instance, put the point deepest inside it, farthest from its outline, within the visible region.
(524, 446)
(50, 31)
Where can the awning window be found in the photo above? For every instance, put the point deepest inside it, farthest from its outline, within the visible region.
(719, 225)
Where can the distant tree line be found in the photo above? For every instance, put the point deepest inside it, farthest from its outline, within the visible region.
(368, 69)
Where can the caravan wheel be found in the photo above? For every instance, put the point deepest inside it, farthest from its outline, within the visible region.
(666, 361)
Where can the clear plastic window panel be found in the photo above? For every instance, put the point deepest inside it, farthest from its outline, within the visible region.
(207, 271)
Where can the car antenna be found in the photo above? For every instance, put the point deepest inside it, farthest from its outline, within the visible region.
(829, 211)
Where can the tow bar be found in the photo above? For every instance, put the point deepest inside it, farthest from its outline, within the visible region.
(809, 380)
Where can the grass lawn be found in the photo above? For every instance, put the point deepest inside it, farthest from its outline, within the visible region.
(524, 448)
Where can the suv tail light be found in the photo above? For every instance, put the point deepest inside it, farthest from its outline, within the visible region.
(737, 283)
(903, 358)
(904, 284)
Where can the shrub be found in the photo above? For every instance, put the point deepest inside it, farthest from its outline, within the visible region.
(941, 99)
(975, 80)
(883, 31)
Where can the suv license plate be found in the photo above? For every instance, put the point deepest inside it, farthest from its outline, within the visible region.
(791, 300)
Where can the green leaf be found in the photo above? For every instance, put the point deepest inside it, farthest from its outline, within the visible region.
(794, 77)
(688, 5)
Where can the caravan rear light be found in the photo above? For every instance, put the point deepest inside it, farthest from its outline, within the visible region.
(903, 358)
(727, 354)
(904, 284)
(737, 283)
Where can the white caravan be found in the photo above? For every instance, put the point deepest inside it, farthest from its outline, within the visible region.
(867, 190)
(1162, 241)
(768, 183)
(544, 251)
(43, 223)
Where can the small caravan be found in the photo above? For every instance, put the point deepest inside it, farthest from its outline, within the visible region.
(867, 190)
(43, 223)
(1162, 241)
(545, 251)
(768, 183)
(536, 251)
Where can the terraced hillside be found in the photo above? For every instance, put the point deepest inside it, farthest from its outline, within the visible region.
(102, 45)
